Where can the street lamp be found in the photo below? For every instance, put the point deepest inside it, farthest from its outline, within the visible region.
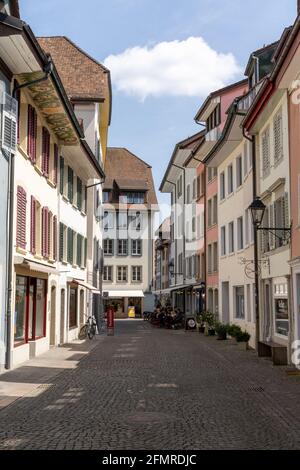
(257, 209)
(171, 269)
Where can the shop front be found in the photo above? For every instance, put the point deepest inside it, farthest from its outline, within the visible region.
(126, 304)
(30, 317)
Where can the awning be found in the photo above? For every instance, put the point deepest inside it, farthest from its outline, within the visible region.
(86, 285)
(113, 294)
(35, 265)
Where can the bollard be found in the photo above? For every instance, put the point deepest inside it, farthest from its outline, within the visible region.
(110, 322)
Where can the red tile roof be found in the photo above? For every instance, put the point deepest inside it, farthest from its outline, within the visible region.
(121, 165)
(83, 77)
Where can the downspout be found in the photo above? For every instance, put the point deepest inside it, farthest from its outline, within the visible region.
(183, 228)
(10, 205)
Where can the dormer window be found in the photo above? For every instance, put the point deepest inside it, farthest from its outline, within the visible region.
(132, 197)
(214, 120)
(105, 196)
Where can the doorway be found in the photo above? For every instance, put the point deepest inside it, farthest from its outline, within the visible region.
(53, 317)
(225, 303)
(62, 316)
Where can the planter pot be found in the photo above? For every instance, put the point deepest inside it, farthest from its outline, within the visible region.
(222, 336)
(211, 332)
(243, 345)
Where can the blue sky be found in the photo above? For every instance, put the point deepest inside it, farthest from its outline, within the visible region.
(150, 122)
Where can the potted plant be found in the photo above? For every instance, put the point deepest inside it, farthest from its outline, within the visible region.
(233, 330)
(221, 330)
(209, 321)
(242, 338)
(200, 323)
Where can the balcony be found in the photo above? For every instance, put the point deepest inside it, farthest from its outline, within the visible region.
(246, 101)
(213, 135)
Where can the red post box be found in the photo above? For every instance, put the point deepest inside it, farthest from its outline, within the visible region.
(110, 321)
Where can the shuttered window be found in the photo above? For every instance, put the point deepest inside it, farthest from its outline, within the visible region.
(79, 194)
(79, 250)
(45, 232)
(278, 137)
(265, 150)
(70, 184)
(55, 238)
(31, 133)
(33, 225)
(61, 175)
(55, 164)
(45, 151)
(85, 251)
(21, 218)
(61, 242)
(70, 246)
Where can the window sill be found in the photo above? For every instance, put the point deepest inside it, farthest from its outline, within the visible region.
(20, 250)
(38, 170)
(51, 261)
(51, 184)
(83, 213)
(230, 195)
(222, 201)
(23, 153)
(122, 256)
(239, 188)
(65, 198)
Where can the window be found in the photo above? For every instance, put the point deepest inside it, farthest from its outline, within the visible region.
(245, 153)
(122, 220)
(70, 184)
(105, 196)
(108, 220)
(61, 175)
(231, 237)
(108, 273)
(248, 300)
(209, 174)
(62, 243)
(45, 232)
(108, 247)
(79, 194)
(136, 273)
(188, 194)
(215, 257)
(180, 263)
(281, 308)
(278, 137)
(122, 273)
(239, 302)
(179, 186)
(73, 308)
(215, 210)
(31, 133)
(239, 171)
(223, 241)
(209, 213)
(247, 227)
(136, 247)
(222, 186)
(45, 152)
(70, 246)
(122, 247)
(240, 237)
(132, 197)
(209, 260)
(21, 218)
(198, 186)
(79, 249)
(230, 179)
(265, 151)
(55, 167)
(135, 221)
(30, 309)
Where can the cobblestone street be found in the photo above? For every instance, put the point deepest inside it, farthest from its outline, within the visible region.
(148, 388)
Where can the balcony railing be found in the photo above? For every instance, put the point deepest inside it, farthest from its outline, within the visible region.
(246, 101)
(213, 135)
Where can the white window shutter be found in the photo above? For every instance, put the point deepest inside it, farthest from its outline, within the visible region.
(9, 123)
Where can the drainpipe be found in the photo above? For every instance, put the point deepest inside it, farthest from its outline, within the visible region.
(10, 205)
(255, 236)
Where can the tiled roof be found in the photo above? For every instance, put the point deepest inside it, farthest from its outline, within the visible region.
(82, 76)
(123, 166)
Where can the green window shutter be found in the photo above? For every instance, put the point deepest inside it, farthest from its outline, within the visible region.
(85, 251)
(79, 250)
(61, 242)
(61, 175)
(70, 246)
(79, 194)
(70, 184)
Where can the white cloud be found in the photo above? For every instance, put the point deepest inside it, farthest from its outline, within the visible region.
(179, 68)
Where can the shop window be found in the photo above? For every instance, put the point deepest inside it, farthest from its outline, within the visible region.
(20, 310)
(73, 308)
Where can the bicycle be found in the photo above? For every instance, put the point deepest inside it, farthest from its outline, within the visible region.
(89, 329)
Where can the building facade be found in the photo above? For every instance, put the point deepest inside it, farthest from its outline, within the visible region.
(48, 293)
(128, 227)
(162, 263)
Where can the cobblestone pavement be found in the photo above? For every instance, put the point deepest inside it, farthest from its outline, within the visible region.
(149, 388)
